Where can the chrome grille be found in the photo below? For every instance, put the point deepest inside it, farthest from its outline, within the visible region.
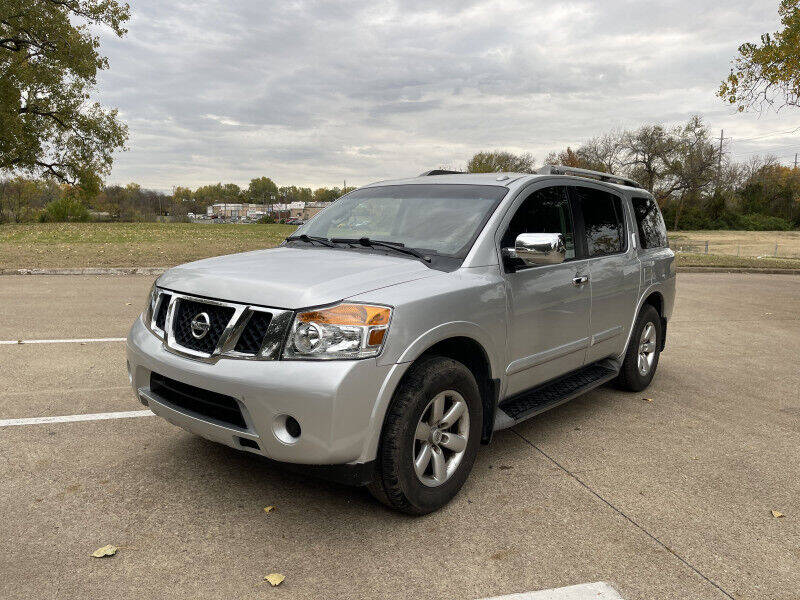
(252, 337)
(186, 311)
(235, 330)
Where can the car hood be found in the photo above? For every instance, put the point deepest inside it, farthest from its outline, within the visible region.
(292, 277)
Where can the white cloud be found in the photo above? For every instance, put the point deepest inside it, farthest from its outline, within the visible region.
(311, 93)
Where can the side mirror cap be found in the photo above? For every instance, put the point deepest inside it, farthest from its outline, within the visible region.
(536, 249)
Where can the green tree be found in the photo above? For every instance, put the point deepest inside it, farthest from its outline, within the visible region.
(693, 169)
(49, 61)
(328, 194)
(770, 71)
(499, 161)
(262, 190)
(207, 195)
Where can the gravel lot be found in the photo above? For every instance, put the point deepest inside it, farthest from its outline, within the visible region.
(668, 498)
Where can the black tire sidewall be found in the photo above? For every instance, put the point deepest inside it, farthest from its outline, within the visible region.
(633, 379)
(431, 377)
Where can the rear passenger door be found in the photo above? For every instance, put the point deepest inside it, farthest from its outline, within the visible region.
(613, 267)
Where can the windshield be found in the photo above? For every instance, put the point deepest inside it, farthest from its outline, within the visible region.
(440, 218)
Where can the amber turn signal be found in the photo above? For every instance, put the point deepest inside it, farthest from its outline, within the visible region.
(348, 314)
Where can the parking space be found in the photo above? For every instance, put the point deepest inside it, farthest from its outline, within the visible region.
(667, 494)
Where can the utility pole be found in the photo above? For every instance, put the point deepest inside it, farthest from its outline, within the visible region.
(719, 157)
(795, 160)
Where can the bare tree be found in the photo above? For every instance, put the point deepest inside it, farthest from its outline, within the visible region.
(648, 153)
(604, 153)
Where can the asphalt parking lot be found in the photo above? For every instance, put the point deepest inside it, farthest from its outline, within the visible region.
(668, 498)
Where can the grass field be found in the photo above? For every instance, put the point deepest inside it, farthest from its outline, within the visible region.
(739, 243)
(68, 245)
(64, 245)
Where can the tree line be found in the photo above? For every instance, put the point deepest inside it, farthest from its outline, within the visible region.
(693, 177)
(26, 199)
(689, 172)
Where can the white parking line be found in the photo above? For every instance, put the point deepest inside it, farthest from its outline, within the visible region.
(599, 590)
(126, 414)
(72, 341)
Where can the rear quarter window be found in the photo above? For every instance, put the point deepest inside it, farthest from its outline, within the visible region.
(652, 231)
(603, 221)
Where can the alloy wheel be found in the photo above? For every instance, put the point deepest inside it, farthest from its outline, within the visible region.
(440, 439)
(647, 349)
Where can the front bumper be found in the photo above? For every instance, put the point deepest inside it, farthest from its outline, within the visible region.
(333, 401)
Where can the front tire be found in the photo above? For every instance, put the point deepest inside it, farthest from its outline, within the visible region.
(430, 437)
(644, 349)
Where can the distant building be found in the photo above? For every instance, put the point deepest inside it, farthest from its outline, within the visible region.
(308, 209)
(295, 210)
(232, 210)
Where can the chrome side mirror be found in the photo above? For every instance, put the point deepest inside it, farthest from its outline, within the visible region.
(536, 249)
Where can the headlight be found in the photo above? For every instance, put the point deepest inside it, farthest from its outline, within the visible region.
(339, 332)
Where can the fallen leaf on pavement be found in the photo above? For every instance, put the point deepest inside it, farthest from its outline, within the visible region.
(269, 509)
(105, 551)
(274, 579)
(777, 515)
(647, 399)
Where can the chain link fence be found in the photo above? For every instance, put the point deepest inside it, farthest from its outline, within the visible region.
(759, 250)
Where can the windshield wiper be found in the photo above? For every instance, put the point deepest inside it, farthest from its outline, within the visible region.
(396, 246)
(310, 239)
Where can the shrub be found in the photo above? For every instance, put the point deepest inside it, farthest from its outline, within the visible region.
(65, 209)
(266, 220)
(759, 222)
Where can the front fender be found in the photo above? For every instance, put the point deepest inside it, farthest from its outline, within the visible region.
(414, 350)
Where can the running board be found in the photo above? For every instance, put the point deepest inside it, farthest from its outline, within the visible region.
(549, 395)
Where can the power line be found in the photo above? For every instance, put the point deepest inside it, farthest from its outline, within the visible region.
(766, 150)
(761, 137)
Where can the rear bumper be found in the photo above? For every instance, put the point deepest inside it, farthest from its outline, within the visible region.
(333, 401)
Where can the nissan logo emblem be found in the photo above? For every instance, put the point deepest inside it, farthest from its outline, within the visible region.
(200, 325)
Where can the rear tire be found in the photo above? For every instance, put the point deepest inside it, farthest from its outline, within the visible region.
(644, 349)
(430, 437)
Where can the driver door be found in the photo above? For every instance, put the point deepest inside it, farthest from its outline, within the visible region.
(548, 305)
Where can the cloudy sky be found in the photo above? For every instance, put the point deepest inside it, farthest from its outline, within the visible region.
(313, 93)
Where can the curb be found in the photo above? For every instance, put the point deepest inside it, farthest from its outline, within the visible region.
(765, 271)
(88, 271)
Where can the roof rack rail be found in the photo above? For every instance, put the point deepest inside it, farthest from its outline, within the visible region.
(440, 172)
(599, 175)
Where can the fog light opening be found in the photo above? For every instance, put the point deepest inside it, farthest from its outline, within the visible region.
(292, 427)
(286, 429)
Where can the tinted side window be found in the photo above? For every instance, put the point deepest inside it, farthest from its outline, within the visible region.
(652, 231)
(602, 220)
(544, 211)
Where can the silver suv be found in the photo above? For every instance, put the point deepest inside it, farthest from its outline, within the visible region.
(394, 332)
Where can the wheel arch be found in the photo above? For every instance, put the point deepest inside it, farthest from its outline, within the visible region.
(473, 355)
(655, 299)
(456, 340)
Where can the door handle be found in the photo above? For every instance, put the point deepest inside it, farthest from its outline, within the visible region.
(580, 279)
